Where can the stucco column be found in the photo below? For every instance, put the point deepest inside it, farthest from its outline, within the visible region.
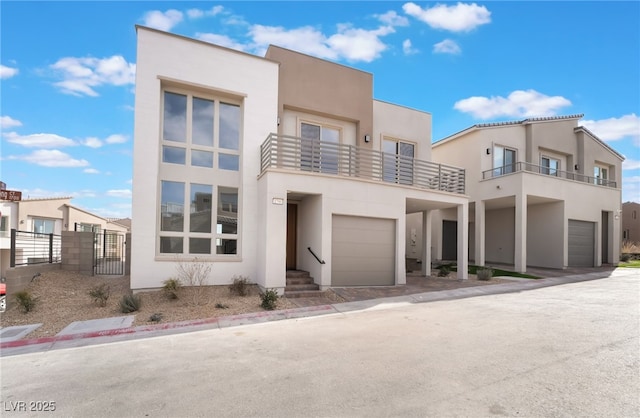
(463, 241)
(520, 256)
(480, 233)
(426, 243)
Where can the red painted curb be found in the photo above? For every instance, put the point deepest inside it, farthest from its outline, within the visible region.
(159, 327)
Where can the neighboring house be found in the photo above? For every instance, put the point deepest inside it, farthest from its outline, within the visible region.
(543, 192)
(263, 165)
(46, 216)
(631, 222)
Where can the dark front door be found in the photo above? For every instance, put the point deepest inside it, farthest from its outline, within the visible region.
(449, 240)
(292, 229)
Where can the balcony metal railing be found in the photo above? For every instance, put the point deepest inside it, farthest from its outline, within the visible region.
(288, 152)
(533, 168)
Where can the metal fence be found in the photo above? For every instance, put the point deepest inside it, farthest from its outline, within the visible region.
(34, 248)
(533, 168)
(109, 253)
(289, 152)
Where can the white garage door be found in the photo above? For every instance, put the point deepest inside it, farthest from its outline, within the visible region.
(363, 251)
(581, 243)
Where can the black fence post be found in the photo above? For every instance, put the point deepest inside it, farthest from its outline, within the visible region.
(50, 248)
(12, 261)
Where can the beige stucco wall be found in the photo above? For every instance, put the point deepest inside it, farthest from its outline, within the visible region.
(402, 123)
(545, 235)
(631, 220)
(198, 66)
(291, 120)
(324, 88)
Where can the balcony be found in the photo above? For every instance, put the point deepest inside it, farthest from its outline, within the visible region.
(532, 168)
(293, 153)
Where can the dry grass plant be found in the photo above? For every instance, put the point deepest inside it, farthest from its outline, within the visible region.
(194, 274)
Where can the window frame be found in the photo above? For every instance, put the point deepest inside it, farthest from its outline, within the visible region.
(326, 163)
(502, 170)
(548, 170)
(402, 163)
(189, 175)
(598, 178)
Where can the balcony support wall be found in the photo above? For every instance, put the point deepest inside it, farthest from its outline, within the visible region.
(520, 256)
(463, 241)
(480, 233)
(426, 242)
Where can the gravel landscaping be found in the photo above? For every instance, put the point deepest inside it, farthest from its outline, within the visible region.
(63, 297)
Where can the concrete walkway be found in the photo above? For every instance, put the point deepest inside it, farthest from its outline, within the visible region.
(118, 329)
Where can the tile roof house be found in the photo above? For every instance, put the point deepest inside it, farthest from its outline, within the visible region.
(267, 165)
(544, 192)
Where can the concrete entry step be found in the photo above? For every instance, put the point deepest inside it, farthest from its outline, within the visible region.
(79, 327)
(16, 332)
(297, 274)
(302, 293)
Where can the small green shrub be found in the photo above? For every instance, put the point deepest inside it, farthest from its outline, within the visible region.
(26, 300)
(269, 299)
(156, 317)
(171, 288)
(222, 306)
(625, 257)
(130, 303)
(443, 271)
(484, 273)
(240, 286)
(100, 294)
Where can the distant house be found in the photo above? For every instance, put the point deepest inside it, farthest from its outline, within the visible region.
(543, 192)
(631, 221)
(287, 162)
(47, 216)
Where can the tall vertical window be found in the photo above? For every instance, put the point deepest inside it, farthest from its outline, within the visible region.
(397, 161)
(319, 148)
(200, 171)
(600, 174)
(504, 160)
(549, 166)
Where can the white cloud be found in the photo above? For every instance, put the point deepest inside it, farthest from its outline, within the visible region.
(91, 171)
(7, 72)
(116, 139)
(519, 103)
(630, 164)
(407, 48)
(92, 142)
(51, 158)
(9, 122)
(126, 193)
(81, 75)
(448, 46)
(221, 40)
(393, 19)
(612, 129)
(631, 189)
(162, 20)
(348, 43)
(197, 13)
(459, 18)
(39, 140)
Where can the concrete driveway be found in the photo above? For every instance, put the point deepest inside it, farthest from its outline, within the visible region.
(569, 350)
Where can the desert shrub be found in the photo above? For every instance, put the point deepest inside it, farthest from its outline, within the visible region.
(484, 273)
(171, 288)
(240, 286)
(629, 247)
(26, 300)
(130, 303)
(156, 317)
(100, 294)
(625, 257)
(443, 271)
(222, 306)
(194, 273)
(269, 299)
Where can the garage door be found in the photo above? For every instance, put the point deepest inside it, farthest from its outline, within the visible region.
(581, 243)
(363, 251)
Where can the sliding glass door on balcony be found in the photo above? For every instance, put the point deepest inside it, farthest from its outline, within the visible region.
(319, 148)
(397, 161)
(504, 161)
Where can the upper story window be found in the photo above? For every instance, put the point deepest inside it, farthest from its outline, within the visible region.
(600, 175)
(200, 175)
(549, 166)
(201, 132)
(320, 152)
(504, 160)
(398, 161)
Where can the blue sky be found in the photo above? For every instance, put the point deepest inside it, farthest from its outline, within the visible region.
(68, 70)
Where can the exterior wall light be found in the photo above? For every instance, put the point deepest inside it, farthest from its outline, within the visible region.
(488, 151)
(367, 138)
(576, 167)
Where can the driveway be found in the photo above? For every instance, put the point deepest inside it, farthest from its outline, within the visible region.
(569, 350)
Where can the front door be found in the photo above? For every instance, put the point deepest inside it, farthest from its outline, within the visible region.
(292, 229)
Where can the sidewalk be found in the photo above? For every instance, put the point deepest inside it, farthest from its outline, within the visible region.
(359, 299)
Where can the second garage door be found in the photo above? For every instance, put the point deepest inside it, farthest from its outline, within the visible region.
(581, 243)
(363, 251)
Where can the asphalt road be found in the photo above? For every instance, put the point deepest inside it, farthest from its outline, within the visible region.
(570, 350)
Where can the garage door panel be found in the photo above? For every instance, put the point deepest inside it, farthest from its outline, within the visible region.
(581, 243)
(363, 251)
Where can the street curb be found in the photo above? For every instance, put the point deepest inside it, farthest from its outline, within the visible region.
(142, 331)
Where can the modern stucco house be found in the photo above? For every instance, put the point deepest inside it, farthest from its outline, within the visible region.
(267, 164)
(544, 192)
(631, 221)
